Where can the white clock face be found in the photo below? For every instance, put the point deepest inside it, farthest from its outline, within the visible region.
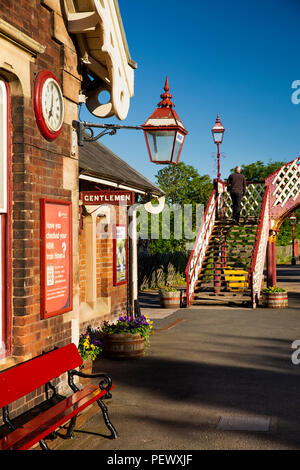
(52, 104)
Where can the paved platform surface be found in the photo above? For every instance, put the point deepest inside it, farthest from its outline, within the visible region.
(288, 277)
(207, 367)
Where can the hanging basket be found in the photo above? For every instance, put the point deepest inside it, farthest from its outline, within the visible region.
(123, 345)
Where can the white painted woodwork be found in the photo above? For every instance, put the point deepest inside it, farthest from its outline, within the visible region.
(102, 44)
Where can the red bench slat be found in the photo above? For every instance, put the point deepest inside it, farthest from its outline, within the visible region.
(39, 427)
(30, 375)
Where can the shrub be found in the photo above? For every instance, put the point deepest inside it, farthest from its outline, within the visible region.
(270, 290)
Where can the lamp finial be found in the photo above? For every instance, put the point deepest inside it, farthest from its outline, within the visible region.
(166, 97)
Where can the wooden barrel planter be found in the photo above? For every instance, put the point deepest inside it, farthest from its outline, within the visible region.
(170, 299)
(123, 345)
(275, 299)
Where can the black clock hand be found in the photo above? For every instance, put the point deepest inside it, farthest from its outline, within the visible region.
(51, 114)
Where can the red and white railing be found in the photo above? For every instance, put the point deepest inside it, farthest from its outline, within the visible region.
(251, 202)
(198, 253)
(218, 207)
(284, 187)
(259, 249)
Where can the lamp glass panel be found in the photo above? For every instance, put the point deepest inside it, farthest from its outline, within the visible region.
(161, 145)
(178, 144)
(218, 136)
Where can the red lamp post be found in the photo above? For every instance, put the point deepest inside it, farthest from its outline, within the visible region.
(164, 131)
(218, 134)
(293, 220)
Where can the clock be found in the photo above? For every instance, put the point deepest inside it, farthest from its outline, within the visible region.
(48, 104)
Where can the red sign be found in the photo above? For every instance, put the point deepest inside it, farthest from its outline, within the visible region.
(56, 257)
(107, 197)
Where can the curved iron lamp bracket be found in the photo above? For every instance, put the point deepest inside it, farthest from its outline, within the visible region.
(81, 127)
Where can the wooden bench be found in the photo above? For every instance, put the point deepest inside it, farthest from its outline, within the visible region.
(24, 378)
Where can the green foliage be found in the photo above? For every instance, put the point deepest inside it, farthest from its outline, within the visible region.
(168, 289)
(259, 170)
(162, 269)
(90, 345)
(285, 233)
(167, 246)
(182, 185)
(270, 290)
(141, 325)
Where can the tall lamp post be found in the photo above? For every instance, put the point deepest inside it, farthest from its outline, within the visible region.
(293, 220)
(218, 134)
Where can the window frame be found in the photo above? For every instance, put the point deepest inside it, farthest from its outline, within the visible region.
(6, 224)
(3, 147)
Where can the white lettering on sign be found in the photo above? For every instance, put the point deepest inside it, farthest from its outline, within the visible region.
(99, 198)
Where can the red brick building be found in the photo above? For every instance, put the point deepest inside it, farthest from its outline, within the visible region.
(34, 167)
(51, 59)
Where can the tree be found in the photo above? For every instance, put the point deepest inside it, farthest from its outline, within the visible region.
(183, 185)
(259, 170)
(285, 233)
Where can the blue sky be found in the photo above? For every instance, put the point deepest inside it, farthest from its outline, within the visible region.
(236, 58)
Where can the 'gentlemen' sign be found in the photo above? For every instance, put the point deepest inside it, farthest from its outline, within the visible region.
(96, 198)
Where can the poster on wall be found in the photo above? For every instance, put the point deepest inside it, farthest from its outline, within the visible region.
(56, 257)
(120, 255)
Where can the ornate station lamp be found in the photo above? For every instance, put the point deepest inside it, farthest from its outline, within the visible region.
(218, 134)
(163, 130)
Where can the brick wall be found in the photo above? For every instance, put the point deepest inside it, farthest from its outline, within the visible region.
(104, 271)
(37, 168)
(37, 172)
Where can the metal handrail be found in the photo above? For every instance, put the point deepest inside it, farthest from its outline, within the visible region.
(204, 226)
(257, 244)
(226, 203)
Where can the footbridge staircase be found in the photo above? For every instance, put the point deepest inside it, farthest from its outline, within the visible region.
(227, 261)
